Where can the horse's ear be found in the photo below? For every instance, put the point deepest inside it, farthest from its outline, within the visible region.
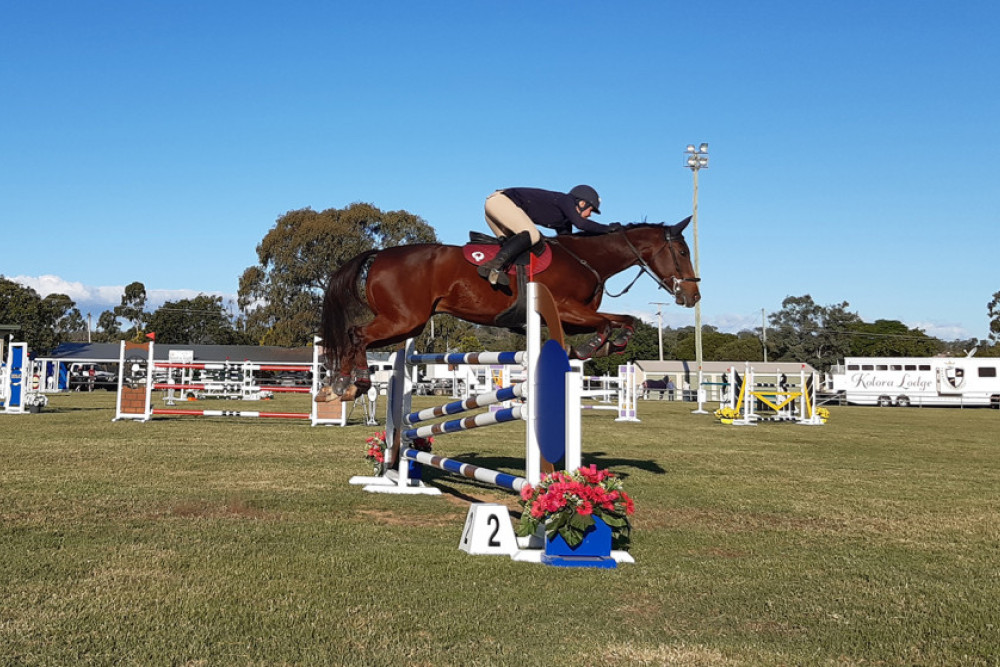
(676, 230)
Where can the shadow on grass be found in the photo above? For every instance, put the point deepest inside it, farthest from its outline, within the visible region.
(460, 487)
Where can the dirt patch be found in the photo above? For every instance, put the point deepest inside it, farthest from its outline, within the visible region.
(673, 654)
(232, 508)
(386, 518)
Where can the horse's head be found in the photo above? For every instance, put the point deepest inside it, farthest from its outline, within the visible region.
(664, 253)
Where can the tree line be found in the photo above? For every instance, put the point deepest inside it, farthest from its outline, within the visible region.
(279, 301)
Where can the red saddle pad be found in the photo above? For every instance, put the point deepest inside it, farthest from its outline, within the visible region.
(476, 253)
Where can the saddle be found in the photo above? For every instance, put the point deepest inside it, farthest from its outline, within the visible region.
(482, 248)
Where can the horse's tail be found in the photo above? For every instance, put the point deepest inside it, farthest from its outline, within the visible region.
(343, 307)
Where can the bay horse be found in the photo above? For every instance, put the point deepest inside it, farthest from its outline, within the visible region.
(383, 297)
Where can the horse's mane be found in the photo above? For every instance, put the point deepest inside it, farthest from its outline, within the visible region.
(625, 225)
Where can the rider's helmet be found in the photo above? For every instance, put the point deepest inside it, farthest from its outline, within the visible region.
(589, 195)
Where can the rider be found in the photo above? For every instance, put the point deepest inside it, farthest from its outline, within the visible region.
(512, 214)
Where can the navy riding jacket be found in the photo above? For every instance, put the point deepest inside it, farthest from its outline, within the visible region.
(555, 210)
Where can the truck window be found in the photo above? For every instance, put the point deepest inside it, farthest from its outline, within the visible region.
(881, 367)
(910, 367)
(987, 371)
(867, 367)
(925, 367)
(895, 367)
(853, 367)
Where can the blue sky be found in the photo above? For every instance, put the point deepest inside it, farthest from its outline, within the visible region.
(854, 146)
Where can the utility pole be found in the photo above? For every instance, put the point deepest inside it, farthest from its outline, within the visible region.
(659, 322)
(763, 332)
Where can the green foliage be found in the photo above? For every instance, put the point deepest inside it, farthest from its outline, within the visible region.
(993, 310)
(44, 322)
(108, 328)
(281, 297)
(70, 325)
(890, 338)
(202, 320)
(806, 332)
(133, 309)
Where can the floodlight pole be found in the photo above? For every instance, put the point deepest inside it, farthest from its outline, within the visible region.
(696, 160)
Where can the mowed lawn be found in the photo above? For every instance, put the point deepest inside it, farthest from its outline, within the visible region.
(874, 539)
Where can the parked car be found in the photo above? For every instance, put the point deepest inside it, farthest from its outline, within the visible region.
(88, 377)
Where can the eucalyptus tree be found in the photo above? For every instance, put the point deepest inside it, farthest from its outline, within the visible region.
(281, 296)
(806, 332)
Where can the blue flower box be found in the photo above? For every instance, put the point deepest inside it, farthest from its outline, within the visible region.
(593, 551)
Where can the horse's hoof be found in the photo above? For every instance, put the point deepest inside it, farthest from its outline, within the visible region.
(325, 395)
(350, 394)
(603, 351)
(590, 349)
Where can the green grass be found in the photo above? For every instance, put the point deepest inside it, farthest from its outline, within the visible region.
(872, 540)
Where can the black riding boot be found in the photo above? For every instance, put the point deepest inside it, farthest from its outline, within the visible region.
(495, 270)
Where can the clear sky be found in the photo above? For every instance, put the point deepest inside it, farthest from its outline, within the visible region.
(855, 145)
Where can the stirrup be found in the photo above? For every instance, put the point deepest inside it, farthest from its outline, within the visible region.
(498, 276)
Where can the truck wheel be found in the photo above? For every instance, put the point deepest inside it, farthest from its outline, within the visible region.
(903, 401)
(884, 401)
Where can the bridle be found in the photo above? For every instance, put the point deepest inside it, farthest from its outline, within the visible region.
(643, 265)
(645, 268)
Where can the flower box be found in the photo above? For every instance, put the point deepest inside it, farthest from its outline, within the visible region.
(583, 515)
(593, 551)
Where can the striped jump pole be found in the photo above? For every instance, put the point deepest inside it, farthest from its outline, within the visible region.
(478, 421)
(505, 480)
(232, 413)
(469, 358)
(278, 389)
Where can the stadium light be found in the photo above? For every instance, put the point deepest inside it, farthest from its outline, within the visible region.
(696, 159)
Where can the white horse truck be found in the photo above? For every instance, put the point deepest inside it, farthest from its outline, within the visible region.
(919, 381)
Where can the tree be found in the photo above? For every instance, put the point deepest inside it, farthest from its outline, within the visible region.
(109, 329)
(806, 332)
(202, 320)
(69, 323)
(993, 309)
(37, 317)
(281, 297)
(890, 338)
(133, 308)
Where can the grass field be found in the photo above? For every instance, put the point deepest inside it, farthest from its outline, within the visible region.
(872, 540)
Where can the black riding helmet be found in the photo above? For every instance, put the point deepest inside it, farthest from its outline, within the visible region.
(589, 195)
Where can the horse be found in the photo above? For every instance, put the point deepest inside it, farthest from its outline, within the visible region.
(382, 297)
(649, 386)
